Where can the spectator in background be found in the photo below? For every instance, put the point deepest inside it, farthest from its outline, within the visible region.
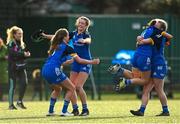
(37, 84)
(57, 6)
(111, 7)
(17, 53)
(3, 67)
(80, 6)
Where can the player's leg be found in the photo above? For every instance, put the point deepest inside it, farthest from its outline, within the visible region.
(55, 93)
(57, 81)
(143, 63)
(158, 76)
(143, 80)
(70, 93)
(22, 87)
(73, 76)
(119, 71)
(12, 86)
(80, 80)
(144, 100)
(145, 76)
(159, 85)
(136, 73)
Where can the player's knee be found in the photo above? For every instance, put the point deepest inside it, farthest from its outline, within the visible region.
(55, 92)
(74, 88)
(146, 81)
(131, 76)
(159, 90)
(146, 92)
(59, 89)
(78, 88)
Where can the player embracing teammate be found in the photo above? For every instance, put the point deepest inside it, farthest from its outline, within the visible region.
(80, 40)
(149, 65)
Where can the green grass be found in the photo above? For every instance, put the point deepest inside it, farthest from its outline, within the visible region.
(105, 111)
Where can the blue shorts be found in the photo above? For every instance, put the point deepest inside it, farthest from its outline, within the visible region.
(76, 67)
(53, 74)
(141, 62)
(159, 71)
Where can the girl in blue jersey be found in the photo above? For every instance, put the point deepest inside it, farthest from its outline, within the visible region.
(81, 40)
(158, 70)
(141, 62)
(51, 71)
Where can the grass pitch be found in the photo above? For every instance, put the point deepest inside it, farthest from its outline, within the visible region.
(100, 112)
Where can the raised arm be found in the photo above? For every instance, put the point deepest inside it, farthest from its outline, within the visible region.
(70, 51)
(167, 35)
(85, 61)
(47, 36)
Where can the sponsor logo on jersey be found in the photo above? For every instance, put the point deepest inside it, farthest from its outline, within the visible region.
(58, 71)
(159, 67)
(158, 35)
(148, 62)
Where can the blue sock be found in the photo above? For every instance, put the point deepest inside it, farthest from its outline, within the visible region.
(65, 106)
(75, 106)
(84, 106)
(128, 82)
(142, 108)
(51, 106)
(165, 109)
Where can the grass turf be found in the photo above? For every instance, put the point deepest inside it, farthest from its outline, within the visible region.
(105, 111)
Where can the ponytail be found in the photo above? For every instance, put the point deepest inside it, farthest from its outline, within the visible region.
(57, 39)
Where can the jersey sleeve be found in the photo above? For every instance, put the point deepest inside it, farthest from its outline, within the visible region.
(86, 35)
(147, 33)
(70, 51)
(157, 37)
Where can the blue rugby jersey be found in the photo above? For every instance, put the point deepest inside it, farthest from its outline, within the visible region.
(146, 49)
(158, 50)
(60, 55)
(82, 49)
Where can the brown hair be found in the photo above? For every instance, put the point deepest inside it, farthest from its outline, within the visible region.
(57, 39)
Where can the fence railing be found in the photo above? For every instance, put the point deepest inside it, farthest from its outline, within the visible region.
(100, 71)
(101, 78)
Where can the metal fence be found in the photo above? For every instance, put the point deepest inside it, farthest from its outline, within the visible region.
(101, 78)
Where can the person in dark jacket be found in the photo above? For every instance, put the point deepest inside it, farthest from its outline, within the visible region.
(16, 65)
